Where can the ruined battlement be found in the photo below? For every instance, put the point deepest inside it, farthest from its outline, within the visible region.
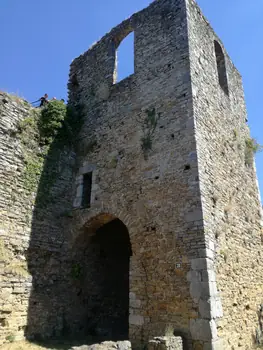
(101, 59)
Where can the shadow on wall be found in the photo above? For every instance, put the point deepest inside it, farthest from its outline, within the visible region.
(81, 292)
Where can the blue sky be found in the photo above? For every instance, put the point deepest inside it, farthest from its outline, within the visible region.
(40, 39)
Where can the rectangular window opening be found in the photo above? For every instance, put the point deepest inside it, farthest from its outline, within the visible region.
(86, 194)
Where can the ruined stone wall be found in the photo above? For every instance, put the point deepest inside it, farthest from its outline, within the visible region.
(156, 194)
(15, 220)
(230, 199)
(33, 206)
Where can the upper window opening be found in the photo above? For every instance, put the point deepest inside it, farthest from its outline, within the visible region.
(125, 58)
(221, 67)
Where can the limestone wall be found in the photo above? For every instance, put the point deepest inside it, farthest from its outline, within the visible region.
(33, 205)
(230, 198)
(15, 219)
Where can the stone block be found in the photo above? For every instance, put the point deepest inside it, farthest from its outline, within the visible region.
(135, 304)
(195, 215)
(124, 345)
(211, 308)
(209, 289)
(202, 264)
(77, 202)
(166, 343)
(193, 276)
(79, 180)
(196, 290)
(208, 275)
(203, 289)
(79, 191)
(218, 344)
(211, 245)
(136, 320)
(132, 296)
(206, 253)
(216, 307)
(87, 168)
(202, 329)
(205, 308)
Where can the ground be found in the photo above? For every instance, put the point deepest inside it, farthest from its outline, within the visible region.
(107, 345)
(24, 345)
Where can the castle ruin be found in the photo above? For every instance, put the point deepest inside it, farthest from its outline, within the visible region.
(152, 221)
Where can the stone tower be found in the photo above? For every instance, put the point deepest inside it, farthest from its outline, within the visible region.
(164, 231)
(190, 199)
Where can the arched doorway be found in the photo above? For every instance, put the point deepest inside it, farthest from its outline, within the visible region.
(100, 273)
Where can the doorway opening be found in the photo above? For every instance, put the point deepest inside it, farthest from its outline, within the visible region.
(100, 275)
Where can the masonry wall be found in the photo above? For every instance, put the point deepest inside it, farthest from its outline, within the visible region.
(15, 221)
(31, 225)
(229, 190)
(156, 196)
(47, 254)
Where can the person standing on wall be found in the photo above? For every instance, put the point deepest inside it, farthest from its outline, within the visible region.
(43, 100)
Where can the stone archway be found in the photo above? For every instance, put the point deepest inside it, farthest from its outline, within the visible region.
(100, 280)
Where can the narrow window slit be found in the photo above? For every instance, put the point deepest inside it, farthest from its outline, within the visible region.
(221, 67)
(86, 194)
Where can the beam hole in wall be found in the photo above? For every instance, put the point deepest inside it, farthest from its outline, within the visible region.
(124, 64)
(221, 67)
(102, 254)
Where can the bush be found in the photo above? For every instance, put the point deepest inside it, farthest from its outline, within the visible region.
(51, 120)
(44, 135)
(252, 147)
